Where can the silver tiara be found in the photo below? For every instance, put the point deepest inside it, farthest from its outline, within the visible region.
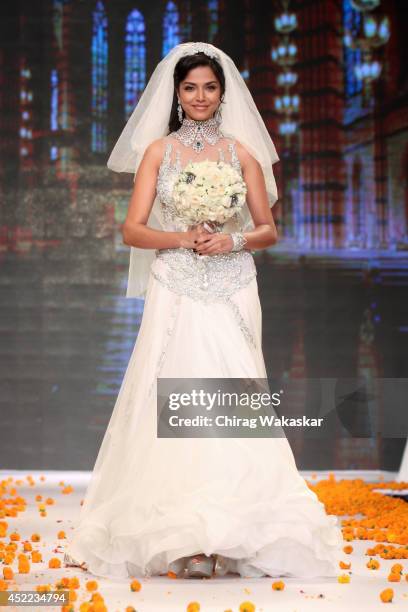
(197, 47)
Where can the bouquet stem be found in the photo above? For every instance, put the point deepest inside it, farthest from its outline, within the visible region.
(213, 226)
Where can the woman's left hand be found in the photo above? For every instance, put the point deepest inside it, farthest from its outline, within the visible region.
(214, 244)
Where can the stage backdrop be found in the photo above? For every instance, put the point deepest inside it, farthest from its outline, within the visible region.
(330, 79)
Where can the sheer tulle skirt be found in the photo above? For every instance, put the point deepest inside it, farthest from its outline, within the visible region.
(153, 500)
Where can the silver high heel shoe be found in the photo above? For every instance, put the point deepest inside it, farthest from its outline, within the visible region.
(225, 565)
(178, 567)
(200, 566)
(221, 567)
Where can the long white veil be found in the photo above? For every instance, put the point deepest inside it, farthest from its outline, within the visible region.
(149, 121)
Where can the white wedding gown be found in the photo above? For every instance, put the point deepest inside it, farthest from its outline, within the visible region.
(153, 500)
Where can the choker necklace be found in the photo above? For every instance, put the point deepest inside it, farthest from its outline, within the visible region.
(194, 133)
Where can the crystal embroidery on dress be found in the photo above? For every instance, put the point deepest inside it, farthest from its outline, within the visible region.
(224, 150)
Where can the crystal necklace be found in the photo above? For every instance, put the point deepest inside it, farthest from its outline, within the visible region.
(193, 133)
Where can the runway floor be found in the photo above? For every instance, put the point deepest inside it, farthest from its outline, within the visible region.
(162, 593)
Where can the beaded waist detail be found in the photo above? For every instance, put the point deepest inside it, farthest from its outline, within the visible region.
(207, 278)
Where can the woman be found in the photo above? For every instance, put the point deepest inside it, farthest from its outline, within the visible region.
(201, 506)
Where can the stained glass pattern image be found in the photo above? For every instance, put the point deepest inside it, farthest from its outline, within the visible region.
(135, 60)
(99, 79)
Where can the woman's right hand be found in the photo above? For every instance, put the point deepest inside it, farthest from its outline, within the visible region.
(187, 238)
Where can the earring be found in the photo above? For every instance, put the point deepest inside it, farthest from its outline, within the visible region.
(180, 112)
(218, 116)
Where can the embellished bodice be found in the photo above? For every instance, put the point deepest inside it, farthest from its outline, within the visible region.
(205, 278)
(173, 162)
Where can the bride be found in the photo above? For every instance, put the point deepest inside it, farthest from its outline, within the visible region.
(196, 506)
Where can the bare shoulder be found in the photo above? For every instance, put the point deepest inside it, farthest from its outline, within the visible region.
(246, 159)
(156, 147)
(155, 150)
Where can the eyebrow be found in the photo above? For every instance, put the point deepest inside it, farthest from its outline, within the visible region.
(191, 83)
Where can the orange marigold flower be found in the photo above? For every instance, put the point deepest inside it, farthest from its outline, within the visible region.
(246, 606)
(96, 598)
(343, 565)
(35, 537)
(72, 596)
(373, 564)
(23, 566)
(397, 568)
(3, 585)
(135, 585)
(99, 606)
(91, 585)
(393, 577)
(348, 549)
(54, 563)
(73, 583)
(279, 585)
(387, 595)
(8, 573)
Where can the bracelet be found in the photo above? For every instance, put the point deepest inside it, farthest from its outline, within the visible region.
(238, 240)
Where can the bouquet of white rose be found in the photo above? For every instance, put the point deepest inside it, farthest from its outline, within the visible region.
(208, 191)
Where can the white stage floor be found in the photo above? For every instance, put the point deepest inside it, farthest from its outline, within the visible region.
(162, 594)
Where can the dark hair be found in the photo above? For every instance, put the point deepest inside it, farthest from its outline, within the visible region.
(182, 68)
